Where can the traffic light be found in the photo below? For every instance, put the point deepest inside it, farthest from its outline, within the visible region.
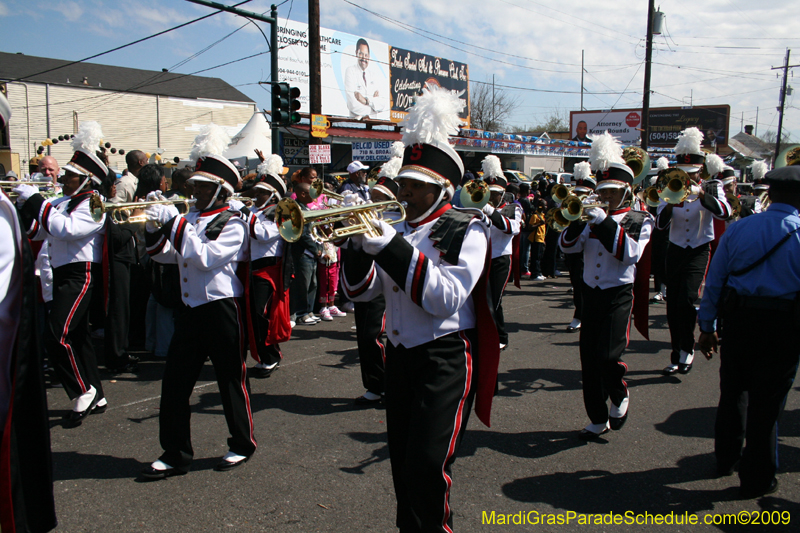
(285, 104)
(294, 105)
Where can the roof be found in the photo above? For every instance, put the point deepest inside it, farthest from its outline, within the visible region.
(358, 133)
(750, 146)
(26, 68)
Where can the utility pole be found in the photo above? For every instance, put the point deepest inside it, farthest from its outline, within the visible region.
(493, 108)
(272, 20)
(647, 61)
(756, 132)
(786, 66)
(582, 80)
(314, 68)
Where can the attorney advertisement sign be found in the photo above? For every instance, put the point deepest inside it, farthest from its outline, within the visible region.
(623, 124)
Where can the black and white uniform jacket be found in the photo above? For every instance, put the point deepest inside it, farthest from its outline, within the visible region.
(692, 223)
(265, 240)
(426, 276)
(610, 249)
(207, 247)
(72, 234)
(507, 222)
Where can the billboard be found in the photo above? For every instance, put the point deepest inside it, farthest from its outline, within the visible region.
(665, 124)
(359, 80)
(410, 72)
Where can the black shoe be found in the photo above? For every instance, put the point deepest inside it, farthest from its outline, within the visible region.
(366, 402)
(224, 466)
(684, 369)
(262, 373)
(670, 370)
(152, 474)
(726, 470)
(75, 418)
(100, 409)
(617, 423)
(748, 494)
(127, 368)
(585, 434)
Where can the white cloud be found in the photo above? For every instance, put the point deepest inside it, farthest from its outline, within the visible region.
(69, 9)
(3, 10)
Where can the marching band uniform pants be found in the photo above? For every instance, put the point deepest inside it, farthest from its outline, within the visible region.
(118, 317)
(498, 279)
(69, 345)
(753, 391)
(604, 336)
(262, 293)
(213, 330)
(575, 265)
(685, 271)
(428, 401)
(370, 321)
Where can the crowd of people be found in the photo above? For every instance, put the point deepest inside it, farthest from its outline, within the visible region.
(216, 265)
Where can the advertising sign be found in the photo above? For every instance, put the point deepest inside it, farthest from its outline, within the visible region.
(319, 154)
(319, 125)
(410, 72)
(295, 151)
(355, 71)
(665, 124)
(372, 151)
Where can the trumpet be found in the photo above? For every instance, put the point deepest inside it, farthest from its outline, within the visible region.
(560, 192)
(291, 220)
(651, 197)
(318, 188)
(120, 213)
(9, 185)
(736, 205)
(573, 207)
(674, 186)
(555, 220)
(475, 193)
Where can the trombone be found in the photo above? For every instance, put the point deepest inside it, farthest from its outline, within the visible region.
(333, 224)
(121, 213)
(9, 186)
(475, 194)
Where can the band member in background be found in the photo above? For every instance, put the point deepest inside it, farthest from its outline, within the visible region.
(429, 271)
(75, 241)
(506, 219)
(691, 230)
(612, 243)
(207, 244)
(752, 286)
(585, 185)
(270, 271)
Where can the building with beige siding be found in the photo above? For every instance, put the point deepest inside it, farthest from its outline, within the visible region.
(138, 109)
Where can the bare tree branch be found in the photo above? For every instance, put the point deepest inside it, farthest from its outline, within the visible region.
(489, 109)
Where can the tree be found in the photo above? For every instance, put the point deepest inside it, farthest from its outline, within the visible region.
(489, 106)
(556, 121)
(771, 136)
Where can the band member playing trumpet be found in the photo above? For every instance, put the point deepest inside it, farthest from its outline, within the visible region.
(437, 315)
(691, 230)
(612, 243)
(207, 244)
(75, 244)
(585, 185)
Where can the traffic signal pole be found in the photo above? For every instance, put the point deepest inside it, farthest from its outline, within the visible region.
(272, 20)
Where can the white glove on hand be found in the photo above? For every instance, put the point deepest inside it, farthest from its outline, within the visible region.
(594, 215)
(695, 190)
(236, 205)
(351, 199)
(488, 209)
(161, 213)
(374, 245)
(154, 196)
(24, 192)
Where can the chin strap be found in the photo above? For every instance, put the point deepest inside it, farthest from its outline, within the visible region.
(431, 209)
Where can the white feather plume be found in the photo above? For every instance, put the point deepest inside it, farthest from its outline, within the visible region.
(273, 164)
(605, 150)
(391, 167)
(759, 170)
(491, 167)
(88, 137)
(662, 163)
(433, 117)
(582, 170)
(397, 149)
(212, 140)
(714, 164)
(689, 142)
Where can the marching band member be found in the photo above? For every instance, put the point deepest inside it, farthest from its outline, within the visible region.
(430, 273)
(691, 230)
(270, 271)
(585, 185)
(75, 243)
(207, 244)
(612, 243)
(659, 240)
(506, 219)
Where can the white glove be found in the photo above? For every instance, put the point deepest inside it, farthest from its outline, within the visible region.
(488, 209)
(351, 199)
(24, 192)
(161, 213)
(695, 190)
(374, 245)
(594, 215)
(236, 205)
(154, 196)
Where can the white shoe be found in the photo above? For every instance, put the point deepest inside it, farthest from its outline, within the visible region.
(574, 325)
(540, 278)
(292, 323)
(334, 311)
(82, 402)
(325, 315)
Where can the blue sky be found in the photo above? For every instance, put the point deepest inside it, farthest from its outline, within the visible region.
(714, 52)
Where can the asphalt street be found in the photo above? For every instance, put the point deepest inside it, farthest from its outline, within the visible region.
(323, 465)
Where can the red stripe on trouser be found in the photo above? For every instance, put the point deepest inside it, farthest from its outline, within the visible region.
(243, 378)
(456, 429)
(378, 339)
(63, 338)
